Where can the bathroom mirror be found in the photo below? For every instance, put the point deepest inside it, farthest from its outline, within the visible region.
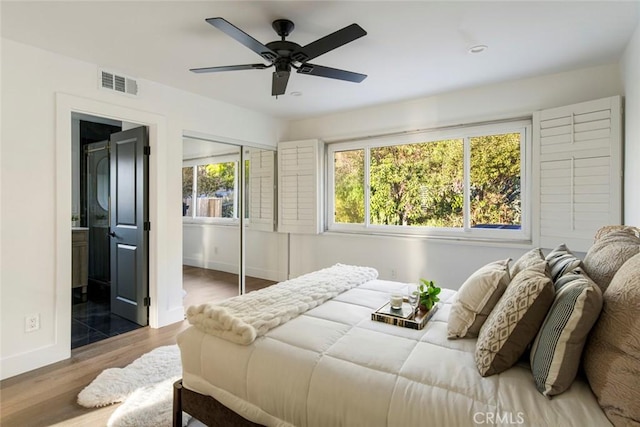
(102, 183)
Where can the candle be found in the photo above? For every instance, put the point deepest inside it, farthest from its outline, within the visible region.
(396, 300)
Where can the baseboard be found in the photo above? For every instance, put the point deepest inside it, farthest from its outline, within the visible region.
(211, 265)
(30, 360)
(260, 273)
(168, 317)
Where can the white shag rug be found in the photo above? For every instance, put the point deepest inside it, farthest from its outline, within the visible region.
(145, 386)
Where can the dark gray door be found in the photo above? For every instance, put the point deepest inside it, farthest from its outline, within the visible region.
(128, 223)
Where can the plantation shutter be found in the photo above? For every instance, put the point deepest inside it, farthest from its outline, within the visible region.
(579, 152)
(299, 186)
(261, 189)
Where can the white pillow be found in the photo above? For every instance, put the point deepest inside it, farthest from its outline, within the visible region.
(476, 298)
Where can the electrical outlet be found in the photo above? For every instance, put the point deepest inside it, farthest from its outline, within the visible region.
(32, 323)
(215, 250)
(393, 273)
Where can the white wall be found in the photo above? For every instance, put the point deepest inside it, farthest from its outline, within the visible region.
(447, 262)
(216, 247)
(630, 67)
(35, 177)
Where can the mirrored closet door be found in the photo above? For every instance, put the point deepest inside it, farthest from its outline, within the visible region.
(228, 204)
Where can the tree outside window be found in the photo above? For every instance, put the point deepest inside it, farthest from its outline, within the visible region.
(209, 190)
(431, 184)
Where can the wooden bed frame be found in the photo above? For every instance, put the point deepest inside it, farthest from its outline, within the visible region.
(205, 409)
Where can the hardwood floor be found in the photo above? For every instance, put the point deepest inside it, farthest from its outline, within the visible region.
(196, 282)
(47, 396)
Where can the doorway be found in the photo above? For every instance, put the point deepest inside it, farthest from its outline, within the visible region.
(110, 204)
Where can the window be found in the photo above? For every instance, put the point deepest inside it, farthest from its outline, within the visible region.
(453, 182)
(209, 188)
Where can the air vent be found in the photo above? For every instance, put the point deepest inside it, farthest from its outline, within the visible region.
(117, 82)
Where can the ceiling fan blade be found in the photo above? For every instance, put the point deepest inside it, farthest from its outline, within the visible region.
(279, 82)
(329, 42)
(229, 68)
(244, 38)
(332, 73)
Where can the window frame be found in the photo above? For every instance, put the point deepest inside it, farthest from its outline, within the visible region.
(202, 161)
(465, 132)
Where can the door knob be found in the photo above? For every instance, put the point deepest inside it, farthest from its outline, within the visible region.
(112, 233)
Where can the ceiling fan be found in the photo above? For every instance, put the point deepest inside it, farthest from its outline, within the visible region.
(284, 55)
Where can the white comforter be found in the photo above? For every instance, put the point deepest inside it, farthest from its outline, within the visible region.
(334, 366)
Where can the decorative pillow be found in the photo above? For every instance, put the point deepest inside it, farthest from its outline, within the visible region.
(561, 260)
(609, 228)
(557, 350)
(608, 254)
(569, 277)
(515, 320)
(530, 258)
(476, 298)
(612, 353)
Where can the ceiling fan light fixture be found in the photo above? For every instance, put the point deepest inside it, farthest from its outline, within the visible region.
(284, 55)
(479, 48)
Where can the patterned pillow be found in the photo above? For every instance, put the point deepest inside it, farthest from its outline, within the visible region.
(532, 257)
(476, 298)
(557, 349)
(612, 354)
(569, 277)
(515, 320)
(608, 254)
(561, 260)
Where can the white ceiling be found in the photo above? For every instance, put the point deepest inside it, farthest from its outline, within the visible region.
(413, 49)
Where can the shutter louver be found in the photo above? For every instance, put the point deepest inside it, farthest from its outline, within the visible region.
(261, 189)
(298, 189)
(580, 165)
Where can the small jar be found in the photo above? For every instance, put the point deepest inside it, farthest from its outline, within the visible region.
(396, 301)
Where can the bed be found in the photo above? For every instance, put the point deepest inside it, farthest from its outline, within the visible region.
(330, 364)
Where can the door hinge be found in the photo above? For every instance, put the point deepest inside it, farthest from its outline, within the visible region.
(147, 302)
(147, 226)
(147, 150)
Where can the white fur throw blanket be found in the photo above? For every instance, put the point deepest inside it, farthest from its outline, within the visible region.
(243, 318)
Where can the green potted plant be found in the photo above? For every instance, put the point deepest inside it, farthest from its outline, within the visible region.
(75, 220)
(428, 295)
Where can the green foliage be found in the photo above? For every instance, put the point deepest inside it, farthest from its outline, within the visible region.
(417, 184)
(421, 184)
(187, 182)
(349, 186)
(428, 293)
(214, 177)
(495, 179)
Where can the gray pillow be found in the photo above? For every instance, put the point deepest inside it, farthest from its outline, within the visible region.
(561, 261)
(557, 350)
(515, 320)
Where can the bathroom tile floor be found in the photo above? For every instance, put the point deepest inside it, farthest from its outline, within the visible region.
(93, 321)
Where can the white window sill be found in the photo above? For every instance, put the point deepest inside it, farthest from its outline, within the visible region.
(523, 243)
